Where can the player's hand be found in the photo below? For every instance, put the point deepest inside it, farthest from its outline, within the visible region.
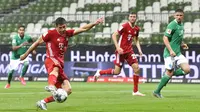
(24, 43)
(23, 56)
(185, 46)
(100, 20)
(140, 53)
(120, 50)
(172, 53)
(34, 52)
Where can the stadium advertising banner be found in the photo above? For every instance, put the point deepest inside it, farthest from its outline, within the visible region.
(82, 61)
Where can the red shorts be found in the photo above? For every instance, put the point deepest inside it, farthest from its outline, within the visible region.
(50, 63)
(130, 58)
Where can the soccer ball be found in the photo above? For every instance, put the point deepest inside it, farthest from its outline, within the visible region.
(60, 95)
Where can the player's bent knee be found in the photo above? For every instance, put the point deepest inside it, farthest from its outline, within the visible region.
(116, 72)
(137, 70)
(187, 71)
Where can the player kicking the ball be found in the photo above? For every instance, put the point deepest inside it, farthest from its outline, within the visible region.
(124, 52)
(56, 45)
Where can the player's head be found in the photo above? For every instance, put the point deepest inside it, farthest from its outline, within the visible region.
(179, 15)
(132, 17)
(21, 30)
(60, 24)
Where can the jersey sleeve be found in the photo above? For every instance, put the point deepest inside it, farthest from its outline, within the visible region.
(46, 36)
(14, 41)
(170, 30)
(70, 33)
(121, 29)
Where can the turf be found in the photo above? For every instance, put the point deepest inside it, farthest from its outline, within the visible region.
(102, 97)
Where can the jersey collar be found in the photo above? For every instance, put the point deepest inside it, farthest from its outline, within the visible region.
(177, 22)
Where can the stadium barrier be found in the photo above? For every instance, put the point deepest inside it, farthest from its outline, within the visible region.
(82, 61)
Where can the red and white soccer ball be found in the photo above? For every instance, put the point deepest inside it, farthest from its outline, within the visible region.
(60, 95)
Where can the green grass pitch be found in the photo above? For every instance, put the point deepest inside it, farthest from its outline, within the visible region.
(102, 97)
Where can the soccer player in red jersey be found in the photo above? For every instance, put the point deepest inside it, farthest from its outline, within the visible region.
(56, 45)
(124, 51)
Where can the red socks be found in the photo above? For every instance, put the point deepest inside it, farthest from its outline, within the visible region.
(52, 79)
(49, 99)
(108, 71)
(135, 83)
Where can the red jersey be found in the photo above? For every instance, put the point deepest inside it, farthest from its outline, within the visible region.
(56, 44)
(127, 33)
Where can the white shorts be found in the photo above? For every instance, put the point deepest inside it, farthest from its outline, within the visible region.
(14, 64)
(170, 62)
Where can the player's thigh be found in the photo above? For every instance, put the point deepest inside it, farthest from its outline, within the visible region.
(169, 63)
(183, 63)
(119, 61)
(131, 58)
(51, 67)
(14, 64)
(181, 60)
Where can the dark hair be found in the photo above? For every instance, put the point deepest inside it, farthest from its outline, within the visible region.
(21, 26)
(179, 10)
(60, 20)
(133, 13)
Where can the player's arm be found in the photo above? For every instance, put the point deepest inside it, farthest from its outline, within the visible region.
(16, 47)
(115, 36)
(168, 46)
(32, 47)
(31, 41)
(137, 43)
(88, 26)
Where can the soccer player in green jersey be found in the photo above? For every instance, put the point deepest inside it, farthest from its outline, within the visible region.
(172, 39)
(20, 44)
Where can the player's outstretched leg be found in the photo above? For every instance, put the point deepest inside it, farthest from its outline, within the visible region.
(109, 71)
(41, 105)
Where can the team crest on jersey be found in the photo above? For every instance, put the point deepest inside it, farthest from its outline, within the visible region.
(169, 31)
